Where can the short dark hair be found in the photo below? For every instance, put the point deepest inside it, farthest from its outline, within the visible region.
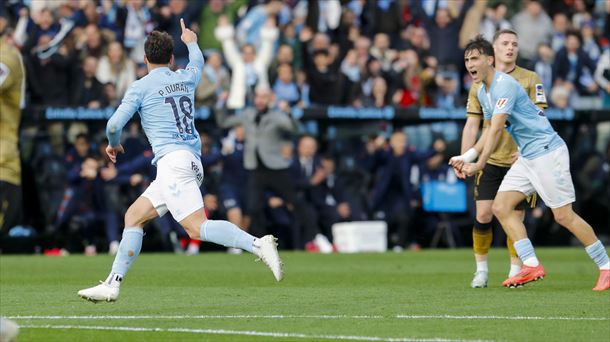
(479, 44)
(504, 31)
(159, 47)
(576, 34)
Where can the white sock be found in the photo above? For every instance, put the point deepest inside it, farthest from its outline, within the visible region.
(482, 266)
(605, 267)
(514, 269)
(531, 262)
(114, 279)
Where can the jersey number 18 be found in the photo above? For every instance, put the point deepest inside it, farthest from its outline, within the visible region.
(184, 124)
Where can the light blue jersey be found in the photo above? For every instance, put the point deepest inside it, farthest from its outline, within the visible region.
(165, 101)
(526, 123)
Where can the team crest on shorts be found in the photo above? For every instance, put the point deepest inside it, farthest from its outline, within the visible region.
(501, 102)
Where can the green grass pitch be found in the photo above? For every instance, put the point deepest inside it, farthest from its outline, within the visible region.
(368, 297)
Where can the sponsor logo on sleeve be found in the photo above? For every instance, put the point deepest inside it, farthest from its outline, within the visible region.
(501, 103)
(540, 96)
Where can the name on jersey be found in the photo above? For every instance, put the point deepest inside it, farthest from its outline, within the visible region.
(172, 88)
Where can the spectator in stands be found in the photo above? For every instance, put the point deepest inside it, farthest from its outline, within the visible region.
(382, 52)
(117, 69)
(494, 20)
(580, 14)
(249, 69)
(111, 95)
(307, 174)
(213, 89)
(362, 45)
(573, 68)
(382, 17)
(379, 96)
(329, 196)
(289, 37)
(416, 38)
(44, 25)
(533, 26)
(88, 91)
(602, 75)
(560, 96)
(589, 45)
(285, 55)
(350, 71)
(447, 94)
(91, 42)
(87, 14)
(370, 83)
(285, 88)
(444, 33)
(137, 24)
(322, 75)
(391, 196)
(208, 21)
(112, 19)
(414, 80)
(250, 28)
(323, 15)
(81, 196)
(561, 24)
(544, 66)
(49, 77)
(168, 20)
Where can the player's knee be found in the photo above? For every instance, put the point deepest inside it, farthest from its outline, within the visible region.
(483, 227)
(500, 210)
(132, 219)
(193, 232)
(564, 217)
(484, 216)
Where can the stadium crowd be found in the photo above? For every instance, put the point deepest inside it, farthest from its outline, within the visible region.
(401, 53)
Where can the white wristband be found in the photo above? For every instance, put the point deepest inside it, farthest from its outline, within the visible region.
(470, 155)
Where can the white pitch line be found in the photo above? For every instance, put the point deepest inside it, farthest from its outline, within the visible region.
(515, 318)
(247, 333)
(363, 317)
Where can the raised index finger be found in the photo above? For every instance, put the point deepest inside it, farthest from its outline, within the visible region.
(182, 24)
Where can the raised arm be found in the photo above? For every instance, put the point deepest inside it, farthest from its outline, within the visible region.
(195, 56)
(225, 33)
(223, 120)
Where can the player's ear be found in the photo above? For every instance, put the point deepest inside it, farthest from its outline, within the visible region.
(145, 60)
(490, 60)
(171, 60)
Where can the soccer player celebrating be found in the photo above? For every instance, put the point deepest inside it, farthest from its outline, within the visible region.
(165, 101)
(487, 181)
(542, 166)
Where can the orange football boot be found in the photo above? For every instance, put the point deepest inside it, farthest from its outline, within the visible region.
(526, 275)
(603, 283)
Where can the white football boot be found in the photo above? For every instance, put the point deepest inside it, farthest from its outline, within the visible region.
(265, 249)
(480, 280)
(8, 330)
(101, 292)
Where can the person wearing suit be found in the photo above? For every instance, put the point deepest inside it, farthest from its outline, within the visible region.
(267, 138)
(391, 196)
